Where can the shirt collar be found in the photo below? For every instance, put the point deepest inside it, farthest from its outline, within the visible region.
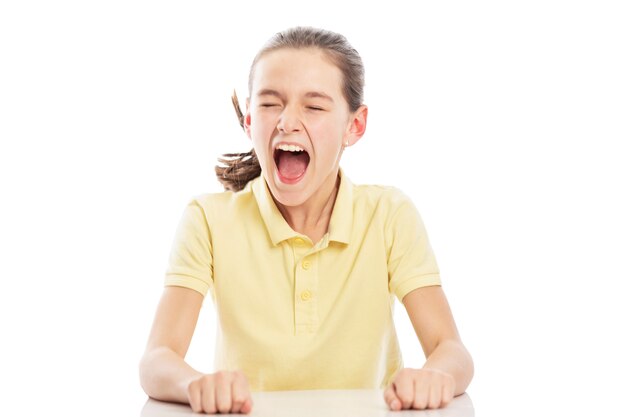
(339, 227)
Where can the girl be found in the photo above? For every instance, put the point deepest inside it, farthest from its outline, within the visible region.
(302, 265)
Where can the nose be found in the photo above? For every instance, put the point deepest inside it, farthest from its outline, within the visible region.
(289, 121)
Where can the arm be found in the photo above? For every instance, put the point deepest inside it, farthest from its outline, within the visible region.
(163, 372)
(434, 325)
(448, 369)
(166, 376)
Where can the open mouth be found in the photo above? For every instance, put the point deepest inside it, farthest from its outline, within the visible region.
(291, 161)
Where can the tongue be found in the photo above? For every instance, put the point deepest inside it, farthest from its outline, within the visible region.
(291, 165)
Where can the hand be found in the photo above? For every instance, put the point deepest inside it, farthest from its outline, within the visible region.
(223, 392)
(420, 389)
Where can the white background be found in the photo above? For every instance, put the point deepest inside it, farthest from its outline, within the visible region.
(504, 121)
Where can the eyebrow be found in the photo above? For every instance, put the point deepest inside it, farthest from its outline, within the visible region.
(310, 94)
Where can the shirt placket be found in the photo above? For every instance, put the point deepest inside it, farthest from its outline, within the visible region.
(306, 282)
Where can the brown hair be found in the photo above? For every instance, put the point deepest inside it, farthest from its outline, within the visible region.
(240, 168)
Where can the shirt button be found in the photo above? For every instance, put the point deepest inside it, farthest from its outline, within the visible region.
(306, 264)
(299, 242)
(306, 295)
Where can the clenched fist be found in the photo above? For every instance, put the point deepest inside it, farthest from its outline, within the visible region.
(420, 389)
(223, 392)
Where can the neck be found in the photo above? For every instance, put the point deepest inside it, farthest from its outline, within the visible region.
(312, 217)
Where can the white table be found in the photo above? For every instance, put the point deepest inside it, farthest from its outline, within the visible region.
(322, 403)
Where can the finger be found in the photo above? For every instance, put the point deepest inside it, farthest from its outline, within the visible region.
(194, 395)
(405, 388)
(208, 395)
(447, 393)
(240, 392)
(391, 399)
(422, 392)
(434, 400)
(223, 397)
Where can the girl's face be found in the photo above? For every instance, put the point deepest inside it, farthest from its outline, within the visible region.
(299, 122)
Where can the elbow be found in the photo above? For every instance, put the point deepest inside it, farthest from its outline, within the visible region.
(146, 374)
(142, 368)
(458, 361)
(470, 369)
(467, 370)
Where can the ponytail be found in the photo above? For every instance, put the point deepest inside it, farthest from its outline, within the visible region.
(240, 168)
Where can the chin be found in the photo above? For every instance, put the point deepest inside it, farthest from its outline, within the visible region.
(288, 194)
(290, 198)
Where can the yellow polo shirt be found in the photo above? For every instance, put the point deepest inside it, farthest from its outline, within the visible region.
(293, 314)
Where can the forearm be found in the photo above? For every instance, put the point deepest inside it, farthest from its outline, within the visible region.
(451, 357)
(165, 375)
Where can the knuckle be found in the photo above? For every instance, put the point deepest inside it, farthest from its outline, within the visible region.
(404, 395)
(223, 377)
(238, 399)
(204, 380)
(195, 407)
(193, 386)
(420, 403)
(433, 404)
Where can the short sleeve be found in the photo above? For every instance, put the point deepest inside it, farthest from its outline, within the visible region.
(191, 255)
(411, 262)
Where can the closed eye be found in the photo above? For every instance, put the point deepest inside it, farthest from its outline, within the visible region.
(268, 105)
(315, 108)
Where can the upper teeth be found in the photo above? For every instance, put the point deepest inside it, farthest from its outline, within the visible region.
(290, 148)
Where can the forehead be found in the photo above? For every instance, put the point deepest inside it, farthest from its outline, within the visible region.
(295, 71)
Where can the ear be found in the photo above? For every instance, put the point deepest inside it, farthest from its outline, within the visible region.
(246, 119)
(356, 128)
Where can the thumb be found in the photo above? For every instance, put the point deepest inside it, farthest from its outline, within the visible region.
(247, 406)
(392, 399)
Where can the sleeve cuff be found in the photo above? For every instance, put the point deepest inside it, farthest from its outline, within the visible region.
(415, 283)
(172, 280)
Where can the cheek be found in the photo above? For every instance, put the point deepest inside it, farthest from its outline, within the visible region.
(330, 132)
(262, 123)
(261, 133)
